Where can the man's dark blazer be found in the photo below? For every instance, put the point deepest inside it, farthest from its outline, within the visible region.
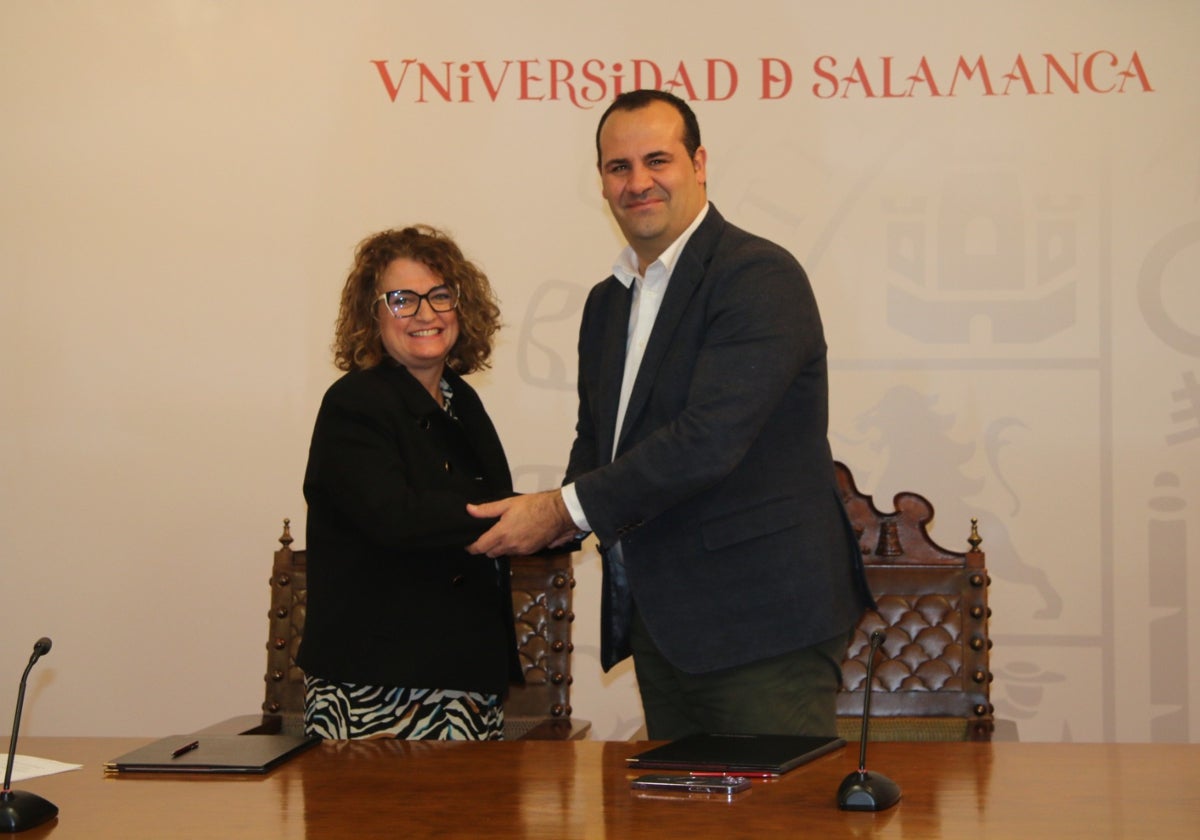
(393, 597)
(736, 545)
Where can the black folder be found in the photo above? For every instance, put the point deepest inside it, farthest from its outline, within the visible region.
(760, 754)
(211, 754)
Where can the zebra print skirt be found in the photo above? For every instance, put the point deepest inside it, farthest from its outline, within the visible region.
(343, 711)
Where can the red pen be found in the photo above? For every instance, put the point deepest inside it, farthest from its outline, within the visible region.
(186, 748)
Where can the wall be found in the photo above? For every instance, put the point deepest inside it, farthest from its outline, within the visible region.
(1006, 265)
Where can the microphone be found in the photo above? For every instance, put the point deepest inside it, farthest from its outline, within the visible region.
(21, 809)
(863, 791)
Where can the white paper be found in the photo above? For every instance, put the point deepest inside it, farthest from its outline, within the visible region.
(30, 767)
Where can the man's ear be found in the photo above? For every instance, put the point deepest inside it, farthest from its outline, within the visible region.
(700, 165)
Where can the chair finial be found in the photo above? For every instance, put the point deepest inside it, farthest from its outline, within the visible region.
(889, 540)
(974, 540)
(286, 538)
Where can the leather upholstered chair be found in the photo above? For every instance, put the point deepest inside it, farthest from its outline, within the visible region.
(932, 679)
(542, 598)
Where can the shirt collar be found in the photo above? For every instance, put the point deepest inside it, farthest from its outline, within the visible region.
(625, 268)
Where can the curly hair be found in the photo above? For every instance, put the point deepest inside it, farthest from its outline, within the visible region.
(357, 343)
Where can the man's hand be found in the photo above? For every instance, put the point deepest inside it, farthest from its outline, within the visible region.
(527, 524)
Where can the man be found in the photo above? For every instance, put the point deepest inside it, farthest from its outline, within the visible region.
(701, 458)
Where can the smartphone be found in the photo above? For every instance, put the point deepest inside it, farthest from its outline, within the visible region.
(724, 785)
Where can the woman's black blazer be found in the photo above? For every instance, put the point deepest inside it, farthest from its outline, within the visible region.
(393, 597)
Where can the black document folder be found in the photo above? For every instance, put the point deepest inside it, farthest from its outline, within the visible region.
(211, 754)
(759, 754)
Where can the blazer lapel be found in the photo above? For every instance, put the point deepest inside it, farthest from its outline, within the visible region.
(481, 436)
(477, 429)
(612, 367)
(685, 279)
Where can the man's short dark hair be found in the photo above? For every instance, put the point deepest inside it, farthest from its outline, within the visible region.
(632, 100)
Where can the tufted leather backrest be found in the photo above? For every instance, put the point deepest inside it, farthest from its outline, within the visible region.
(542, 599)
(542, 589)
(932, 679)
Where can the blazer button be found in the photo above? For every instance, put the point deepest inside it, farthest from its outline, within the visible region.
(426, 424)
(458, 580)
(446, 466)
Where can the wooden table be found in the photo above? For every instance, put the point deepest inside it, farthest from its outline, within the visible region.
(580, 789)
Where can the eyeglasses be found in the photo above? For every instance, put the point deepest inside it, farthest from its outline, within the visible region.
(404, 303)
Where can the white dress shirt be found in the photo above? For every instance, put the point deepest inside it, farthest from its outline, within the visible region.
(648, 293)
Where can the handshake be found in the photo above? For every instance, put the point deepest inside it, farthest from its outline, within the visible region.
(526, 524)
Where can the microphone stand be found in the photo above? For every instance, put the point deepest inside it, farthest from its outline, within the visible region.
(863, 791)
(20, 809)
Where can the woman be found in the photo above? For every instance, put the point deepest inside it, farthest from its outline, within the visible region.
(407, 635)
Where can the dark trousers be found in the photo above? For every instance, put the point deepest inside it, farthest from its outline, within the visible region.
(791, 694)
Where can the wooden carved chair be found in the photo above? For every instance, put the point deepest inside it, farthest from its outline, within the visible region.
(542, 599)
(932, 680)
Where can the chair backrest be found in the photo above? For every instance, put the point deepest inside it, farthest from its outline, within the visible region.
(932, 679)
(542, 598)
(289, 602)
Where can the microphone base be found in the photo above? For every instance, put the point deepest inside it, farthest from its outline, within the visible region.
(20, 809)
(863, 791)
